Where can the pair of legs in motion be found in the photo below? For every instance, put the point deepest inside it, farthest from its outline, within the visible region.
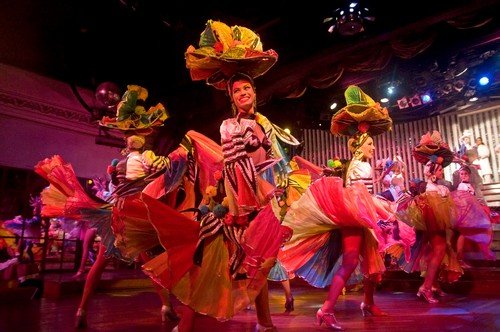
(88, 243)
(265, 323)
(352, 241)
(437, 240)
(93, 277)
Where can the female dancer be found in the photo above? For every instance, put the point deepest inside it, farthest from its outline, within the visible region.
(473, 223)
(66, 197)
(433, 213)
(235, 244)
(328, 213)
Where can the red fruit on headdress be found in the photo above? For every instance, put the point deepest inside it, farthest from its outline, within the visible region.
(218, 47)
(363, 127)
(111, 169)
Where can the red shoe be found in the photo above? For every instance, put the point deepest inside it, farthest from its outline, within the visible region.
(426, 294)
(329, 319)
(168, 314)
(371, 309)
(81, 319)
(262, 328)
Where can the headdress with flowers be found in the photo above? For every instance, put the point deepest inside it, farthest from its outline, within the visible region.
(131, 115)
(360, 118)
(432, 148)
(224, 51)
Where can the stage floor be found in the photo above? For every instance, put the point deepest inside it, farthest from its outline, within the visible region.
(139, 310)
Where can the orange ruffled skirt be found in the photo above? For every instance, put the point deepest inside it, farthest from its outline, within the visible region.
(208, 288)
(324, 207)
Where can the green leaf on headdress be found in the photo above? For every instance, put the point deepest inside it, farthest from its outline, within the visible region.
(255, 42)
(234, 53)
(206, 51)
(127, 106)
(236, 33)
(207, 37)
(355, 96)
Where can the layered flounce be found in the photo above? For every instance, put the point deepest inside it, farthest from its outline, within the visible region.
(199, 273)
(327, 206)
(430, 212)
(65, 197)
(473, 221)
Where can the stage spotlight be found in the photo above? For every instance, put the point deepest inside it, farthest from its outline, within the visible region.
(426, 98)
(403, 103)
(415, 101)
(447, 88)
(484, 80)
(458, 85)
(349, 20)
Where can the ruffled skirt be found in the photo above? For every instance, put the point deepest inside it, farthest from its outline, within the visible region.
(314, 250)
(429, 212)
(199, 273)
(473, 222)
(65, 197)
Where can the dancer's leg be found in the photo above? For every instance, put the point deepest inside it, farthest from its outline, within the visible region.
(93, 278)
(369, 291)
(91, 281)
(287, 289)
(438, 243)
(289, 306)
(262, 307)
(88, 241)
(351, 245)
(186, 324)
(167, 311)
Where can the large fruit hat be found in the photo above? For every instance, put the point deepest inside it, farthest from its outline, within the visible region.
(361, 115)
(224, 51)
(131, 115)
(433, 148)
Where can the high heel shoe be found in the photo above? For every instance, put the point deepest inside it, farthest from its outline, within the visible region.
(426, 294)
(80, 319)
(262, 328)
(168, 314)
(329, 319)
(371, 309)
(79, 276)
(289, 305)
(438, 291)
